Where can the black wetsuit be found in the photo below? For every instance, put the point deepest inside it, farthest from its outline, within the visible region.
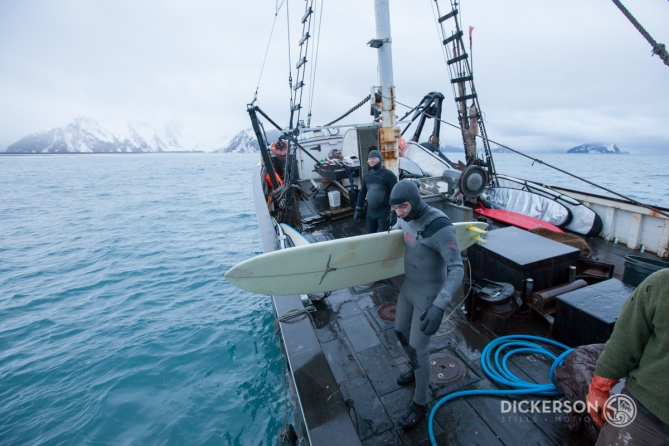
(433, 272)
(376, 186)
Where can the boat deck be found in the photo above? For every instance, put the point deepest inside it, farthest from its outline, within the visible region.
(351, 363)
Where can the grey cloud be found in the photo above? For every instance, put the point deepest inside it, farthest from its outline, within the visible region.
(549, 75)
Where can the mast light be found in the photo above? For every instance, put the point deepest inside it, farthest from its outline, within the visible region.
(377, 43)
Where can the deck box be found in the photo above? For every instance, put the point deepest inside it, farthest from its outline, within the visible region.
(513, 255)
(587, 315)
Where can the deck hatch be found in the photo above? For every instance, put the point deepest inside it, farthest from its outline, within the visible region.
(387, 311)
(446, 369)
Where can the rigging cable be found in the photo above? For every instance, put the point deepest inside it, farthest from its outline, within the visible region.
(658, 48)
(276, 14)
(354, 108)
(290, 71)
(536, 160)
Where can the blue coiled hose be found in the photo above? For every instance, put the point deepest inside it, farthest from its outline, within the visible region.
(497, 370)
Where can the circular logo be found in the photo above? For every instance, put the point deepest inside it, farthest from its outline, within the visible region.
(620, 410)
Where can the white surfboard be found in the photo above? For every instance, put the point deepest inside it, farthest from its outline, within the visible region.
(584, 220)
(335, 264)
(297, 238)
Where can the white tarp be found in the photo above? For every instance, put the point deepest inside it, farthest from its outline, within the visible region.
(526, 203)
(428, 162)
(584, 220)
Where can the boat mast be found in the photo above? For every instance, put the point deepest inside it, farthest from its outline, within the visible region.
(384, 96)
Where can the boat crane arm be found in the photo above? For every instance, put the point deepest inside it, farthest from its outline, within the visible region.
(252, 111)
(262, 143)
(429, 107)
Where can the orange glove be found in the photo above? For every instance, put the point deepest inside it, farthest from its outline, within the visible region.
(598, 392)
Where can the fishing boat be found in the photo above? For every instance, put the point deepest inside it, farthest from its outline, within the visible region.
(342, 357)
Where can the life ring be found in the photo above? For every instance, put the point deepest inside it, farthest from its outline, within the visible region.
(279, 151)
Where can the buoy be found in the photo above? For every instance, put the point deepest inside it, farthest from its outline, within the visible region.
(269, 180)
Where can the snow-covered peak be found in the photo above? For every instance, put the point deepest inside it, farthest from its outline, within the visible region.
(596, 147)
(246, 142)
(85, 134)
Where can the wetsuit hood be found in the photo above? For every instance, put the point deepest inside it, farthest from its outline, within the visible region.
(407, 190)
(377, 154)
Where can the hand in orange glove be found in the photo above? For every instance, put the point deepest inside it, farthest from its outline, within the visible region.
(598, 392)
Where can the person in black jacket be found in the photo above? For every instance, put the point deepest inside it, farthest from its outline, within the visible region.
(376, 186)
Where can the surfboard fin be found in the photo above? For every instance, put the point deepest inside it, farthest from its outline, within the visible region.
(479, 239)
(475, 229)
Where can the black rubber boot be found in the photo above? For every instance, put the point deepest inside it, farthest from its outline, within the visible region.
(406, 378)
(413, 415)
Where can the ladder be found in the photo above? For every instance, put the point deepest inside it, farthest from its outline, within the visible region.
(300, 66)
(464, 92)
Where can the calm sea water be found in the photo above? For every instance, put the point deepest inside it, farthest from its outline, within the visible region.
(116, 325)
(641, 177)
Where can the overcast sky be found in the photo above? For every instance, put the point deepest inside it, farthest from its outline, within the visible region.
(550, 75)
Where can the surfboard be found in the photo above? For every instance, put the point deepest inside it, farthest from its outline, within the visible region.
(527, 203)
(334, 264)
(515, 219)
(584, 220)
(297, 238)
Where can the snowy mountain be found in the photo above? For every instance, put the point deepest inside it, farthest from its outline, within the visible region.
(86, 135)
(499, 150)
(596, 147)
(246, 142)
(451, 149)
(459, 149)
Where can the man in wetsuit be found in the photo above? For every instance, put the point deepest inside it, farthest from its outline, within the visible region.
(376, 186)
(433, 272)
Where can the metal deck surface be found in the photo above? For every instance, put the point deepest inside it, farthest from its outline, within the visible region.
(349, 367)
